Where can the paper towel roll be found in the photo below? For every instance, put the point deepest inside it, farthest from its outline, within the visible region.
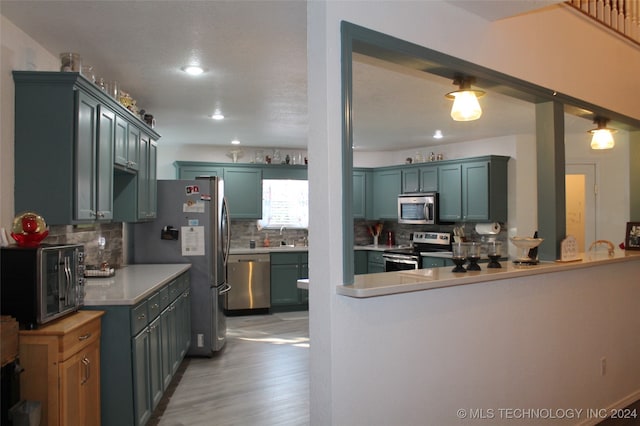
(488, 228)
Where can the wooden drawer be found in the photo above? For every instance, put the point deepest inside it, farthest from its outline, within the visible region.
(154, 306)
(139, 318)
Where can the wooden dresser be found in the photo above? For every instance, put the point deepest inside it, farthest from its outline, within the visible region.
(61, 364)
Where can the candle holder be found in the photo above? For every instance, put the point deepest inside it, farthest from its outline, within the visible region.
(459, 256)
(473, 256)
(494, 252)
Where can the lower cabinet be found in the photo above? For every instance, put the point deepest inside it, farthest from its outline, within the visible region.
(286, 269)
(138, 366)
(360, 262)
(61, 364)
(375, 262)
(435, 262)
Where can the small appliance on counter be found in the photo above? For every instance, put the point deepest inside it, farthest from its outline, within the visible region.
(40, 284)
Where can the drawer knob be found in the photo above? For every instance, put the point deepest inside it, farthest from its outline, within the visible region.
(84, 337)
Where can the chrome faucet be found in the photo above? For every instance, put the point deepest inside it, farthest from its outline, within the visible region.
(282, 229)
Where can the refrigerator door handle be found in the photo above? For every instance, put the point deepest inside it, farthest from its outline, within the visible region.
(224, 289)
(227, 249)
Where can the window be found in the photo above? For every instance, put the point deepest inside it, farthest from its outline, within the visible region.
(284, 203)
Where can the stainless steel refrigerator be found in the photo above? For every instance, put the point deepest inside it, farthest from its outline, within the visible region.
(192, 226)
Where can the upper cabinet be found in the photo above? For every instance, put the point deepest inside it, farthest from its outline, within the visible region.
(474, 190)
(387, 184)
(68, 135)
(420, 179)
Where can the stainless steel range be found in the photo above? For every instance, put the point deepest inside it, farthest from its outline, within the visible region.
(400, 259)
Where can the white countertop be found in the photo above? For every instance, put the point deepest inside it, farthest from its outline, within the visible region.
(263, 250)
(387, 283)
(131, 284)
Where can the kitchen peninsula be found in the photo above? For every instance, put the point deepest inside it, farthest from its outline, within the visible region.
(388, 283)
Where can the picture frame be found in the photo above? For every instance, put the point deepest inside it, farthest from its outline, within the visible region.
(632, 237)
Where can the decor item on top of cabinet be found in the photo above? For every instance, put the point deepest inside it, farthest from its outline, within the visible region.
(632, 238)
(375, 231)
(70, 62)
(235, 154)
(29, 229)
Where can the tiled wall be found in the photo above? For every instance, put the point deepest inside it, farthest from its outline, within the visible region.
(243, 231)
(89, 235)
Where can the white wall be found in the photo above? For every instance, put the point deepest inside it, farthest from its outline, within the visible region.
(415, 358)
(19, 52)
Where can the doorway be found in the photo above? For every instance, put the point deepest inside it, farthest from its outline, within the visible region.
(581, 192)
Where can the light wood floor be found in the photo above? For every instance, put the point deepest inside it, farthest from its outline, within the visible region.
(261, 377)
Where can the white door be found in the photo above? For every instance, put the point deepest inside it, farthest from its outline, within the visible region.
(580, 198)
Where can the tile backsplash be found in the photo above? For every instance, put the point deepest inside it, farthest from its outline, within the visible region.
(89, 236)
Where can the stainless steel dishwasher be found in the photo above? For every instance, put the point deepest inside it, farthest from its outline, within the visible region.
(250, 279)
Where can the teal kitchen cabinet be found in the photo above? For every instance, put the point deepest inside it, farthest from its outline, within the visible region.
(147, 179)
(68, 155)
(375, 262)
(435, 262)
(62, 161)
(474, 190)
(135, 194)
(127, 145)
(450, 192)
(420, 179)
(141, 349)
(362, 194)
(286, 269)
(194, 169)
(360, 262)
(243, 190)
(387, 185)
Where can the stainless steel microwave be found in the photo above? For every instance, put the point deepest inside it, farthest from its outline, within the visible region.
(418, 209)
(40, 284)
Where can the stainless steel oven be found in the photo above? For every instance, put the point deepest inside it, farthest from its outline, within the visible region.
(401, 259)
(395, 261)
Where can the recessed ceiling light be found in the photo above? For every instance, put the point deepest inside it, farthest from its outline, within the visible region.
(193, 69)
(235, 142)
(437, 134)
(217, 115)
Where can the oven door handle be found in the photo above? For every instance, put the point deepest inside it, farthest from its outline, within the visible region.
(400, 259)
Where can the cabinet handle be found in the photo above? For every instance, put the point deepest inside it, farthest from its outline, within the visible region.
(142, 316)
(87, 370)
(84, 337)
(155, 306)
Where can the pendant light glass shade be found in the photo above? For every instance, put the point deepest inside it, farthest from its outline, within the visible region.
(465, 101)
(602, 136)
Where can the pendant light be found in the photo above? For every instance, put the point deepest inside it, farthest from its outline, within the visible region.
(602, 135)
(465, 100)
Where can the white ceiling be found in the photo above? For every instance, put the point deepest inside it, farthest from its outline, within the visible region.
(255, 53)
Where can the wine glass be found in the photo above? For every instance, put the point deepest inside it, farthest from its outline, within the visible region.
(473, 255)
(494, 249)
(459, 256)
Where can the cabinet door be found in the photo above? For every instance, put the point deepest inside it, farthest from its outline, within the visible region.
(284, 284)
(428, 179)
(166, 362)
(410, 180)
(359, 262)
(141, 379)
(147, 187)
(450, 197)
(80, 387)
(475, 191)
(359, 194)
(243, 190)
(133, 148)
(192, 172)
(104, 163)
(120, 145)
(386, 188)
(85, 150)
(155, 363)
